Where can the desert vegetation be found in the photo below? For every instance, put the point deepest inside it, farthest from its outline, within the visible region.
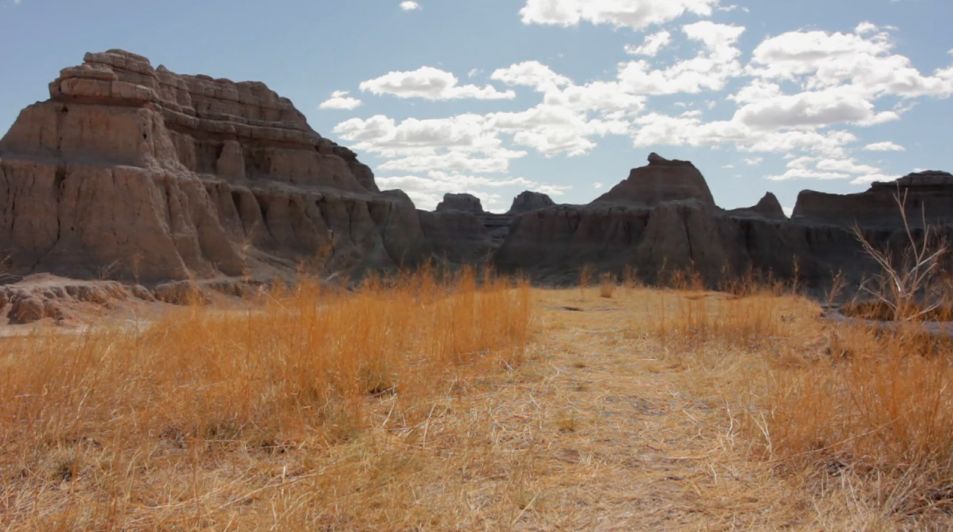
(481, 403)
(180, 422)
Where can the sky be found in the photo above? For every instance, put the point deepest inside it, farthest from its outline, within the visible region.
(494, 97)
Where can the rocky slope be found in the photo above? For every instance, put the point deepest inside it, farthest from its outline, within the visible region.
(134, 172)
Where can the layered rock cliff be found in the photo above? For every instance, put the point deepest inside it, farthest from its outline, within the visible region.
(928, 194)
(130, 171)
(662, 218)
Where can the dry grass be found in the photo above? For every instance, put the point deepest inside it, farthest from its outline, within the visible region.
(860, 417)
(607, 285)
(429, 406)
(184, 423)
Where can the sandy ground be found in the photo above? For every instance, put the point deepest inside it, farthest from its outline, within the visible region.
(608, 437)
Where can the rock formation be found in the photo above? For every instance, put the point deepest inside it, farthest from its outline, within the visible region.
(660, 182)
(462, 203)
(135, 172)
(528, 201)
(768, 207)
(929, 193)
(662, 219)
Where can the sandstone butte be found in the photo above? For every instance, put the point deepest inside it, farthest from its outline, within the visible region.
(141, 175)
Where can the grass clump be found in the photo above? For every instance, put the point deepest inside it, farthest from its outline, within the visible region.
(172, 425)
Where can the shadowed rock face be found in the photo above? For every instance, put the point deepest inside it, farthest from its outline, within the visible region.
(929, 193)
(659, 182)
(130, 171)
(529, 201)
(657, 228)
(134, 172)
(768, 207)
(460, 202)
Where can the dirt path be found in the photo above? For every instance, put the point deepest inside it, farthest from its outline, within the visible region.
(597, 431)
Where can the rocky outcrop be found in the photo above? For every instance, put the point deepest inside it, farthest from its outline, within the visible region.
(928, 193)
(768, 207)
(135, 172)
(528, 201)
(655, 230)
(461, 203)
(660, 182)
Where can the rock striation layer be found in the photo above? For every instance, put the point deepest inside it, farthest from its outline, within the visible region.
(661, 181)
(135, 172)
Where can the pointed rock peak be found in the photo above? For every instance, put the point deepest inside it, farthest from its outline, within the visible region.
(460, 202)
(770, 207)
(530, 201)
(767, 207)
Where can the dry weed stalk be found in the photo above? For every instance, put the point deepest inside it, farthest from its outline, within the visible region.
(901, 282)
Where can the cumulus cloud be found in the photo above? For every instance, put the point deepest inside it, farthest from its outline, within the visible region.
(884, 146)
(341, 100)
(461, 143)
(427, 189)
(864, 59)
(652, 44)
(618, 13)
(828, 169)
(409, 6)
(431, 84)
(802, 95)
(710, 69)
(813, 108)
(530, 74)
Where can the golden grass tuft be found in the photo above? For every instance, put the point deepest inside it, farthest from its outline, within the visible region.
(135, 424)
(854, 412)
(607, 285)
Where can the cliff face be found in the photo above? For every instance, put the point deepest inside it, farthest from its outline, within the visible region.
(661, 219)
(929, 193)
(661, 181)
(133, 172)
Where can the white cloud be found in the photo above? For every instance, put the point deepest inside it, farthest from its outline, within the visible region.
(884, 146)
(864, 59)
(409, 6)
(465, 143)
(872, 178)
(813, 108)
(710, 69)
(652, 44)
(530, 74)
(431, 84)
(598, 185)
(427, 189)
(341, 100)
(655, 129)
(865, 27)
(827, 169)
(617, 13)
(754, 161)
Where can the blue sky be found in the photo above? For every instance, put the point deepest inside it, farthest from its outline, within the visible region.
(563, 96)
